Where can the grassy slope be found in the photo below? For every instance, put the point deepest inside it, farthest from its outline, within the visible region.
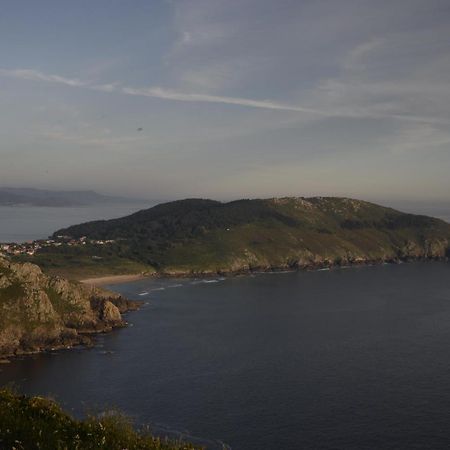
(39, 423)
(204, 235)
(78, 266)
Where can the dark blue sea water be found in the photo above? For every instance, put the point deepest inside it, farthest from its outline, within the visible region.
(341, 359)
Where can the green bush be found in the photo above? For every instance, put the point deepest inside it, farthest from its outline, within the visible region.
(28, 423)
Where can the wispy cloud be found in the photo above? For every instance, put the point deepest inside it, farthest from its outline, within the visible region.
(35, 75)
(102, 140)
(154, 92)
(166, 94)
(347, 111)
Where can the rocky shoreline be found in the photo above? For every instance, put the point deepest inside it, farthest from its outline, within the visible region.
(248, 270)
(311, 266)
(40, 313)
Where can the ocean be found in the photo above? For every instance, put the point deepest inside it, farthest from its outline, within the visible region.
(348, 359)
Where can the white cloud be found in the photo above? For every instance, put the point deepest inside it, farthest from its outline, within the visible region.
(35, 75)
(335, 98)
(155, 92)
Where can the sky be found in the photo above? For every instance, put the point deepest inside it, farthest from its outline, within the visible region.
(226, 99)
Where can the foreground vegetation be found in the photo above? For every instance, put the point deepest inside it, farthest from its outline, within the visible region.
(38, 423)
(205, 236)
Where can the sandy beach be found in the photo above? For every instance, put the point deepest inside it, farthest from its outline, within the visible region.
(112, 279)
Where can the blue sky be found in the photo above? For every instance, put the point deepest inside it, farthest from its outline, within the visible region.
(235, 98)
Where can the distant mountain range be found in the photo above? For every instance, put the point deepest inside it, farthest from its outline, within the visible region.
(40, 197)
(196, 236)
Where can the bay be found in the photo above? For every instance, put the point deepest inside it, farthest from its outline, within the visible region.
(342, 359)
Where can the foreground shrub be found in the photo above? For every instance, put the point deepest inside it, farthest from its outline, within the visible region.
(28, 423)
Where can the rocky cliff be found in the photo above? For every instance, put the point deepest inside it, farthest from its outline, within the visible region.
(39, 312)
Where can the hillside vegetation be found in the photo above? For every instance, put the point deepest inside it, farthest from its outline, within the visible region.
(206, 236)
(38, 423)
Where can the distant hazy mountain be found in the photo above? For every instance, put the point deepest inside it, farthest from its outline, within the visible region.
(39, 197)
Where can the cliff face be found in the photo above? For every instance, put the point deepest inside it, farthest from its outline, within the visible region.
(39, 312)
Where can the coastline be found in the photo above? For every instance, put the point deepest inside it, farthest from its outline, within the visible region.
(42, 313)
(113, 279)
(82, 338)
(313, 266)
(86, 337)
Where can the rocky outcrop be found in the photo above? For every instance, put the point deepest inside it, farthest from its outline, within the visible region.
(38, 312)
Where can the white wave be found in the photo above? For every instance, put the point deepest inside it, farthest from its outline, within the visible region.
(207, 281)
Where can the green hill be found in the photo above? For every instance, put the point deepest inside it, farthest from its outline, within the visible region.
(206, 236)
